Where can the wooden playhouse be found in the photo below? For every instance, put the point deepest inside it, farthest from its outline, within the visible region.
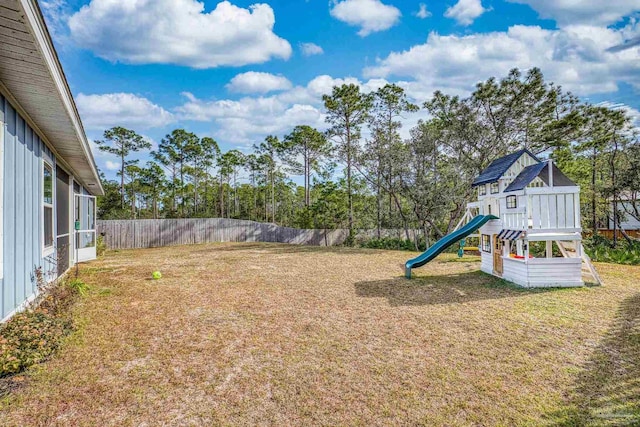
(537, 239)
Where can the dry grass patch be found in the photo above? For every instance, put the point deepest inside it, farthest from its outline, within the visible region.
(264, 334)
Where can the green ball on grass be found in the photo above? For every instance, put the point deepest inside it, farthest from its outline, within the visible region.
(156, 275)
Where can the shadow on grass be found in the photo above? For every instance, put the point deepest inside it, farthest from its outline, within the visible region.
(441, 289)
(11, 384)
(607, 391)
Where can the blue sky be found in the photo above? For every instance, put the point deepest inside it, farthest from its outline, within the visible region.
(240, 70)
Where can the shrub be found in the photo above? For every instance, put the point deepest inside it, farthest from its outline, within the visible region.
(33, 335)
(602, 250)
(101, 246)
(538, 249)
(78, 286)
(350, 241)
(393, 243)
(398, 244)
(28, 338)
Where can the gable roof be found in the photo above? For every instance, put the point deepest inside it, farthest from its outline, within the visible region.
(525, 177)
(541, 170)
(499, 167)
(559, 178)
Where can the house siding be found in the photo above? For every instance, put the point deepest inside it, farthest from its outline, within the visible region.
(628, 222)
(22, 225)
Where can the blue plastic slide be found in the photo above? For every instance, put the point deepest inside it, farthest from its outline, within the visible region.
(445, 242)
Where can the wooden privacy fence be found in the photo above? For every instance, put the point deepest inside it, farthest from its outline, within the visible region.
(151, 233)
(634, 234)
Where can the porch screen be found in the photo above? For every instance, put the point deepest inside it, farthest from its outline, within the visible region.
(62, 220)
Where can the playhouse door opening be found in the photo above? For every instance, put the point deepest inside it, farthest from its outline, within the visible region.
(497, 256)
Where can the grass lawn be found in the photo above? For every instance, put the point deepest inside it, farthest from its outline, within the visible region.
(265, 334)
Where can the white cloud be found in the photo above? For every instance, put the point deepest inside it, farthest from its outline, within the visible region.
(255, 82)
(154, 144)
(309, 49)
(56, 13)
(422, 12)
(592, 12)
(104, 111)
(250, 119)
(627, 44)
(465, 11)
(97, 154)
(370, 15)
(632, 113)
(323, 84)
(112, 166)
(178, 32)
(574, 57)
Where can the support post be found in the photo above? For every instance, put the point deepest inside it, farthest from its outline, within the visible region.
(587, 260)
(563, 250)
(407, 271)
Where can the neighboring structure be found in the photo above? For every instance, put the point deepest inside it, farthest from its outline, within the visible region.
(48, 178)
(538, 208)
(628, 207)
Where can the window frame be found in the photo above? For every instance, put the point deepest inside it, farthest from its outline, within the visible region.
(486, 246)
(47, 250)
(497, 187)
(513, 199)
(482, 190)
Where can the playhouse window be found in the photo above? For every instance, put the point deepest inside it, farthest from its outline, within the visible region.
(486, 243)
(495, 188)
(512, 202)
(482, 190)
(47, 205)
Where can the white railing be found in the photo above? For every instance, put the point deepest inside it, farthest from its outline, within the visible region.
(515, 220)
(557, 210)
(544, 209)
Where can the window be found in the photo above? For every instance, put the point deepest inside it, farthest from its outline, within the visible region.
(512, 202)
(85, 216)
(495, 188)
(482, 190)
(47, 203)
(536, 183)
(486, 243)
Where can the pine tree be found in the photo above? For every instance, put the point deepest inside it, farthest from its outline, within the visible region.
(347, 111)
(122, 142)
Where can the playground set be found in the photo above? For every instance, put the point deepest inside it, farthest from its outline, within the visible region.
(525, 207)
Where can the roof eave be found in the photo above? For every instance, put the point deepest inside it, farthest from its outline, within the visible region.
(36, 23)
(484, 182)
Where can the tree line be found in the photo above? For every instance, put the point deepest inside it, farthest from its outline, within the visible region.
(360, 173)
